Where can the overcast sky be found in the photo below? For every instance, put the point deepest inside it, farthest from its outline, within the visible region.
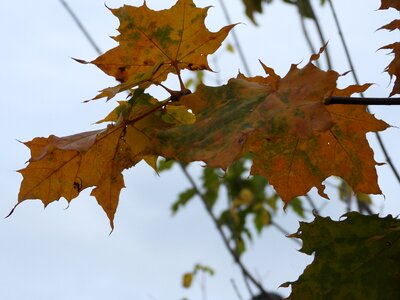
(61, 253)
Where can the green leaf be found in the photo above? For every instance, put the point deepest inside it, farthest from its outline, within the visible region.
(297, 207)
(356, 258)
(165, 164)
(261, 219)
(183, 199)
(211, 184)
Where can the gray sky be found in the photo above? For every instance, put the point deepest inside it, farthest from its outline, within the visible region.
(68, 254)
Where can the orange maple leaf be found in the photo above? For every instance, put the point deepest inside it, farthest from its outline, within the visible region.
(153, 44)
(64, 166)
(296, 140)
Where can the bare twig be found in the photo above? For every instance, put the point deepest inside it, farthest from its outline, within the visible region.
(236, 39)
(235, 288)
(346, 49)
(81, 27)
(306, 34)
(312, 204)
(321, 36)
(284, 231)
(362, 101)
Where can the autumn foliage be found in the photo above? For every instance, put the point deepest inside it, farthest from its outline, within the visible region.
(295, 139)
(288, 126)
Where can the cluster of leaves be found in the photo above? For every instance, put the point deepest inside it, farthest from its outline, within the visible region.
(283, 127)
(248, 198)
(296, 140)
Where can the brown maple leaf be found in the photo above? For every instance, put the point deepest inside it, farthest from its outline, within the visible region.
(64, 166)
(296, 140)
(393, 68)
(386, 4)
(153, 44)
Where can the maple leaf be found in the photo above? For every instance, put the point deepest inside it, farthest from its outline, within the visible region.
(386, 4)
(64, 166)
(356, 258)
(393, 68)
(153, 44)
(296, 140)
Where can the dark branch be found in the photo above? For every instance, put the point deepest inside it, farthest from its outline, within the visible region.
(81, 27)
(362, 101)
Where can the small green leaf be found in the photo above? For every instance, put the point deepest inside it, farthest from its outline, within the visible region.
(261, 219)
(183, 199)
(297, 207)
(164, 165)
(211, 184)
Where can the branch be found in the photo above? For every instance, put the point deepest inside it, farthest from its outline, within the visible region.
(236, 39)
(306, 34)
(346, 49)
(81, 27)
(362, 101)
(321, 36)
(233, 253)
(235, 288)
(312, 204)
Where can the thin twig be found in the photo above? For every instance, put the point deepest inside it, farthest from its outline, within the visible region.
(235, 288)
(236, 39)
(346, 49)
(306, 34)
(233, 253)
(312, 204)
(284, 231)
(246, 283)
(362, 101)
(321, 36)
(81, 27)
(350, 62)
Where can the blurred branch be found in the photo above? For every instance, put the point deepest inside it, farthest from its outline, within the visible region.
(224, 238)
(81, 27)
(321, 36)
(235, 39)
(307, 36)
(235, 288)
(312, 204)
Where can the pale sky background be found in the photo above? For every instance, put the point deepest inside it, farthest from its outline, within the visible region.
(68, 254)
